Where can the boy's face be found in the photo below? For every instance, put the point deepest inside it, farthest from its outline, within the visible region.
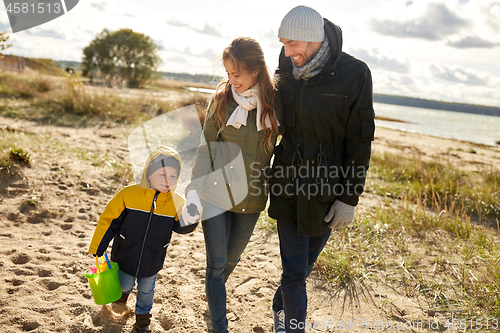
(163, 179)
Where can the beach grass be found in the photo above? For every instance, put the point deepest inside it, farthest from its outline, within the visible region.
(64, 101)
(434, 240)
(425, 242)
(439, 185)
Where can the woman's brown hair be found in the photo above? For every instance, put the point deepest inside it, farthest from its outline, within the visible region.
(247, 56)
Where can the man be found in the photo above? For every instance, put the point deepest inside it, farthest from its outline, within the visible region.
(320, 165)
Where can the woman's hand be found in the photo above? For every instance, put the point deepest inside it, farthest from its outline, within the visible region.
(192, 210)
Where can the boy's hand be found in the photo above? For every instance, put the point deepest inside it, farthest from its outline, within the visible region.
(192, 209)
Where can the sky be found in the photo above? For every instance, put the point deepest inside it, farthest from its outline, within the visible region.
(446, 50)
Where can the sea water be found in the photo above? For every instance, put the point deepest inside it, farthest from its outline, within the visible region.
(470, 127)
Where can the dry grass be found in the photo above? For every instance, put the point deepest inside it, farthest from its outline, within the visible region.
(440, 186)
(172, 84)
(423, 243)
(65, 101)
(30, 85)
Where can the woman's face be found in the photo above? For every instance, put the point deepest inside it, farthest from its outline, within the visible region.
(240, 81)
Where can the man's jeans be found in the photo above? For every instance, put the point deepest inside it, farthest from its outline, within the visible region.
(145, 290)
(226, 236)
(298, 255)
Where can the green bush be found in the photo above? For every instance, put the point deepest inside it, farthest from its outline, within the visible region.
(20, 155)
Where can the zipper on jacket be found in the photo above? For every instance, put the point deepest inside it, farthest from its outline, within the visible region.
(153, 207)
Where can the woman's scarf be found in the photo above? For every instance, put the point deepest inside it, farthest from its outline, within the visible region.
(247, 101)
(314, 66)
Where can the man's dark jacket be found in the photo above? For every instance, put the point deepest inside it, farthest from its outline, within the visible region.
(325, 149)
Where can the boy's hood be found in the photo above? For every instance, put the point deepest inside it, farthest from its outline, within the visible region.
(159, 150)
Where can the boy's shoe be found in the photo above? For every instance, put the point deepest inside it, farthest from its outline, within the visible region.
(122, 300)
(142, 323)
(279, 321)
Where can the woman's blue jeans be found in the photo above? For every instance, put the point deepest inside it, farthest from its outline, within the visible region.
(226, 236)
(298, 255)
(145, 290)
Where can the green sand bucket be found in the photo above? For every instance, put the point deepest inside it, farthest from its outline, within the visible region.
(105, 285)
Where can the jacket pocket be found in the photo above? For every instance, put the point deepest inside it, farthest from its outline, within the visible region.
(215, 190)
(329, 190)
(367, 117)
(330, 184)
(339, 96)
(118, 242)
(280, 182)
(289, 109)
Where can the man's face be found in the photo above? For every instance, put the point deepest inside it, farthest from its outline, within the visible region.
(163, 179)
(301, 52)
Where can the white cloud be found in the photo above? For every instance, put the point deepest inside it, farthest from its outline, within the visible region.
(376, 58)
(433, 22)
(435, 49)
(472, 42)
(458, 74)
(467, 25)
(44, 32)
(99, 5)
(207, 28)
(112, 8)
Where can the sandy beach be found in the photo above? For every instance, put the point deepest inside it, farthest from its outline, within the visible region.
(48, 212)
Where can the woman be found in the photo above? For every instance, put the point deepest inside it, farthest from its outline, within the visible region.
(240, 133)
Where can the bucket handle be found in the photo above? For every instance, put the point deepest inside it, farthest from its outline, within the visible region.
(104, 259)
(107, 260)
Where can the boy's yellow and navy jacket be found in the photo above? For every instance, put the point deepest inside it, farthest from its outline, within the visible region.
(140, 220)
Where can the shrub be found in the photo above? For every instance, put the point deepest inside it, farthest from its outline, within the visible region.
(20, 155)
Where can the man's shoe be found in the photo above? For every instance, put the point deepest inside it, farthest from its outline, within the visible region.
(279, 321)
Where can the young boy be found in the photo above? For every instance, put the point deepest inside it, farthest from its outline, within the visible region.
(140, 219)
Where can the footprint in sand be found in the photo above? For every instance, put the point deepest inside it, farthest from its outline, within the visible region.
(165, 323)
(15, 282)
(30, 325)
(13, 216)
(23, 272)
(246, 287)
(20, 259)
(44, 273)
(66, 226)
(78, 309)
(100, 317)
(50, 285)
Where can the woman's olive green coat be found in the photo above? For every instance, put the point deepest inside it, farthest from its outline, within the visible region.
(229, 166)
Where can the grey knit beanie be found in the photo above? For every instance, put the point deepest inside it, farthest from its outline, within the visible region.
(160, 162)
(302, 24)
